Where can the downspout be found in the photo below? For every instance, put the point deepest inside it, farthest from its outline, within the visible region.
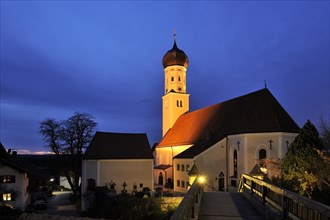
(172, 168)
(227, 164)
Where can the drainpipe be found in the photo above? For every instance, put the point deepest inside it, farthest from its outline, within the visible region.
(172, 168)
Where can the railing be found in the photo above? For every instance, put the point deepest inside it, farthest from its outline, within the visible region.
(287, 203)
(189, 206)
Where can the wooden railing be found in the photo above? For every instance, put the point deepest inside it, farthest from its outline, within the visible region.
(189, 206)
(288, 204)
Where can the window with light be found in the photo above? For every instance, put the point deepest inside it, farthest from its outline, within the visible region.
(6, 197)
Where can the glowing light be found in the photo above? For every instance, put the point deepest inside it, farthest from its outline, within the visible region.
(6, 197)
(264, 170)
(201, 179)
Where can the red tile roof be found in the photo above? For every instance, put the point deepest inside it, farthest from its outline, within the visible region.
(106, 145)
(255, 112)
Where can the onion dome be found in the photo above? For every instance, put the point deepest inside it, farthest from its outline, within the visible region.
(175, 56)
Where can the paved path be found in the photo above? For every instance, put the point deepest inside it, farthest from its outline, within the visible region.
(60, 204)
(227, 205)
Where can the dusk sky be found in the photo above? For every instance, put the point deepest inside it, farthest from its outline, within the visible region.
(105, 58)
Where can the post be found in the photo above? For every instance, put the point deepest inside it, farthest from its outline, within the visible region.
(264, 194)
(252, 186)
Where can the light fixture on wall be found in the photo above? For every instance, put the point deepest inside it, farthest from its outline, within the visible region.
(270, 144)
(238, 145)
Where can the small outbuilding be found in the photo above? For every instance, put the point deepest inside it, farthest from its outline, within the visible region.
(120, 161)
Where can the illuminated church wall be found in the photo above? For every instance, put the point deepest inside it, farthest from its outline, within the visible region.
(164, 155)
(212, 161)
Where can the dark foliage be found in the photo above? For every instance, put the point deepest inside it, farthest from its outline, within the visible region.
(304, 168)
(126, 207)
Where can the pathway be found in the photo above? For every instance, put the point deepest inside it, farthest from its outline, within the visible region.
(226, 205)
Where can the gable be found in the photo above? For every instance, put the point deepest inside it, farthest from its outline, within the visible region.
(106, 145)
(257, 112)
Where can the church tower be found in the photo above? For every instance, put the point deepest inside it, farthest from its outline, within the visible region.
(176, 99)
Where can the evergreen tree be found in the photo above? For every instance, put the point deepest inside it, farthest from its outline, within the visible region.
(302, 166)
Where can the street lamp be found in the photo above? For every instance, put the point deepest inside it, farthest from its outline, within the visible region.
(201, 179)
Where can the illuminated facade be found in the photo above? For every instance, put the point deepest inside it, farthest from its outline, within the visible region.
(176, 99)
(220, 142)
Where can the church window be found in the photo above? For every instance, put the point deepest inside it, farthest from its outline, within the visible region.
(172, 78)
(178, 183)
(262, 154)
(182, 167)
(187, 167)
(179, 78)
(182, 184)
(180, 103)
(235, 162)
(178, 167)
(141, 185)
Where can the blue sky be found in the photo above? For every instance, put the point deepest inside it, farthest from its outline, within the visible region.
(105, 58)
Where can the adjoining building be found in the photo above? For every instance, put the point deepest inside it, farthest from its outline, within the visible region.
(221, 141)
(14, 181)
(120, 161)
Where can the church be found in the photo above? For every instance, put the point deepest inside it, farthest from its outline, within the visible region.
(219, 142)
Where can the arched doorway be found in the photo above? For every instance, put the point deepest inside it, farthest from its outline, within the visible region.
(221, 181)
(262, 154)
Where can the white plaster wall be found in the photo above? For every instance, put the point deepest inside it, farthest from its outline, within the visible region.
(211, 162)
(130, 171)
(251, 144)
(181, 175)
(20, 185)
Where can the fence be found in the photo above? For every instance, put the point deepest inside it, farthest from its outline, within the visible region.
(288, 204)
(189, 206)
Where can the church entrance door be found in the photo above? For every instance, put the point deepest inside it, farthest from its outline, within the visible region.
(221, 181)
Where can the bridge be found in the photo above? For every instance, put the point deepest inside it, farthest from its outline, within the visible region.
(254, 199)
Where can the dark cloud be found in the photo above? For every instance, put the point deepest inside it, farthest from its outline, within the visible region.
(104, 58)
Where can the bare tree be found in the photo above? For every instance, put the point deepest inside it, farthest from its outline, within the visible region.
(68, 139)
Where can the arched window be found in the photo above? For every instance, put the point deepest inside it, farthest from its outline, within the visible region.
(235, 162)
(180, 103)
(262, 154)
(177, 103)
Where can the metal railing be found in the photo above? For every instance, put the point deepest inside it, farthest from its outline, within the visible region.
(189, 206)
(288, 204)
